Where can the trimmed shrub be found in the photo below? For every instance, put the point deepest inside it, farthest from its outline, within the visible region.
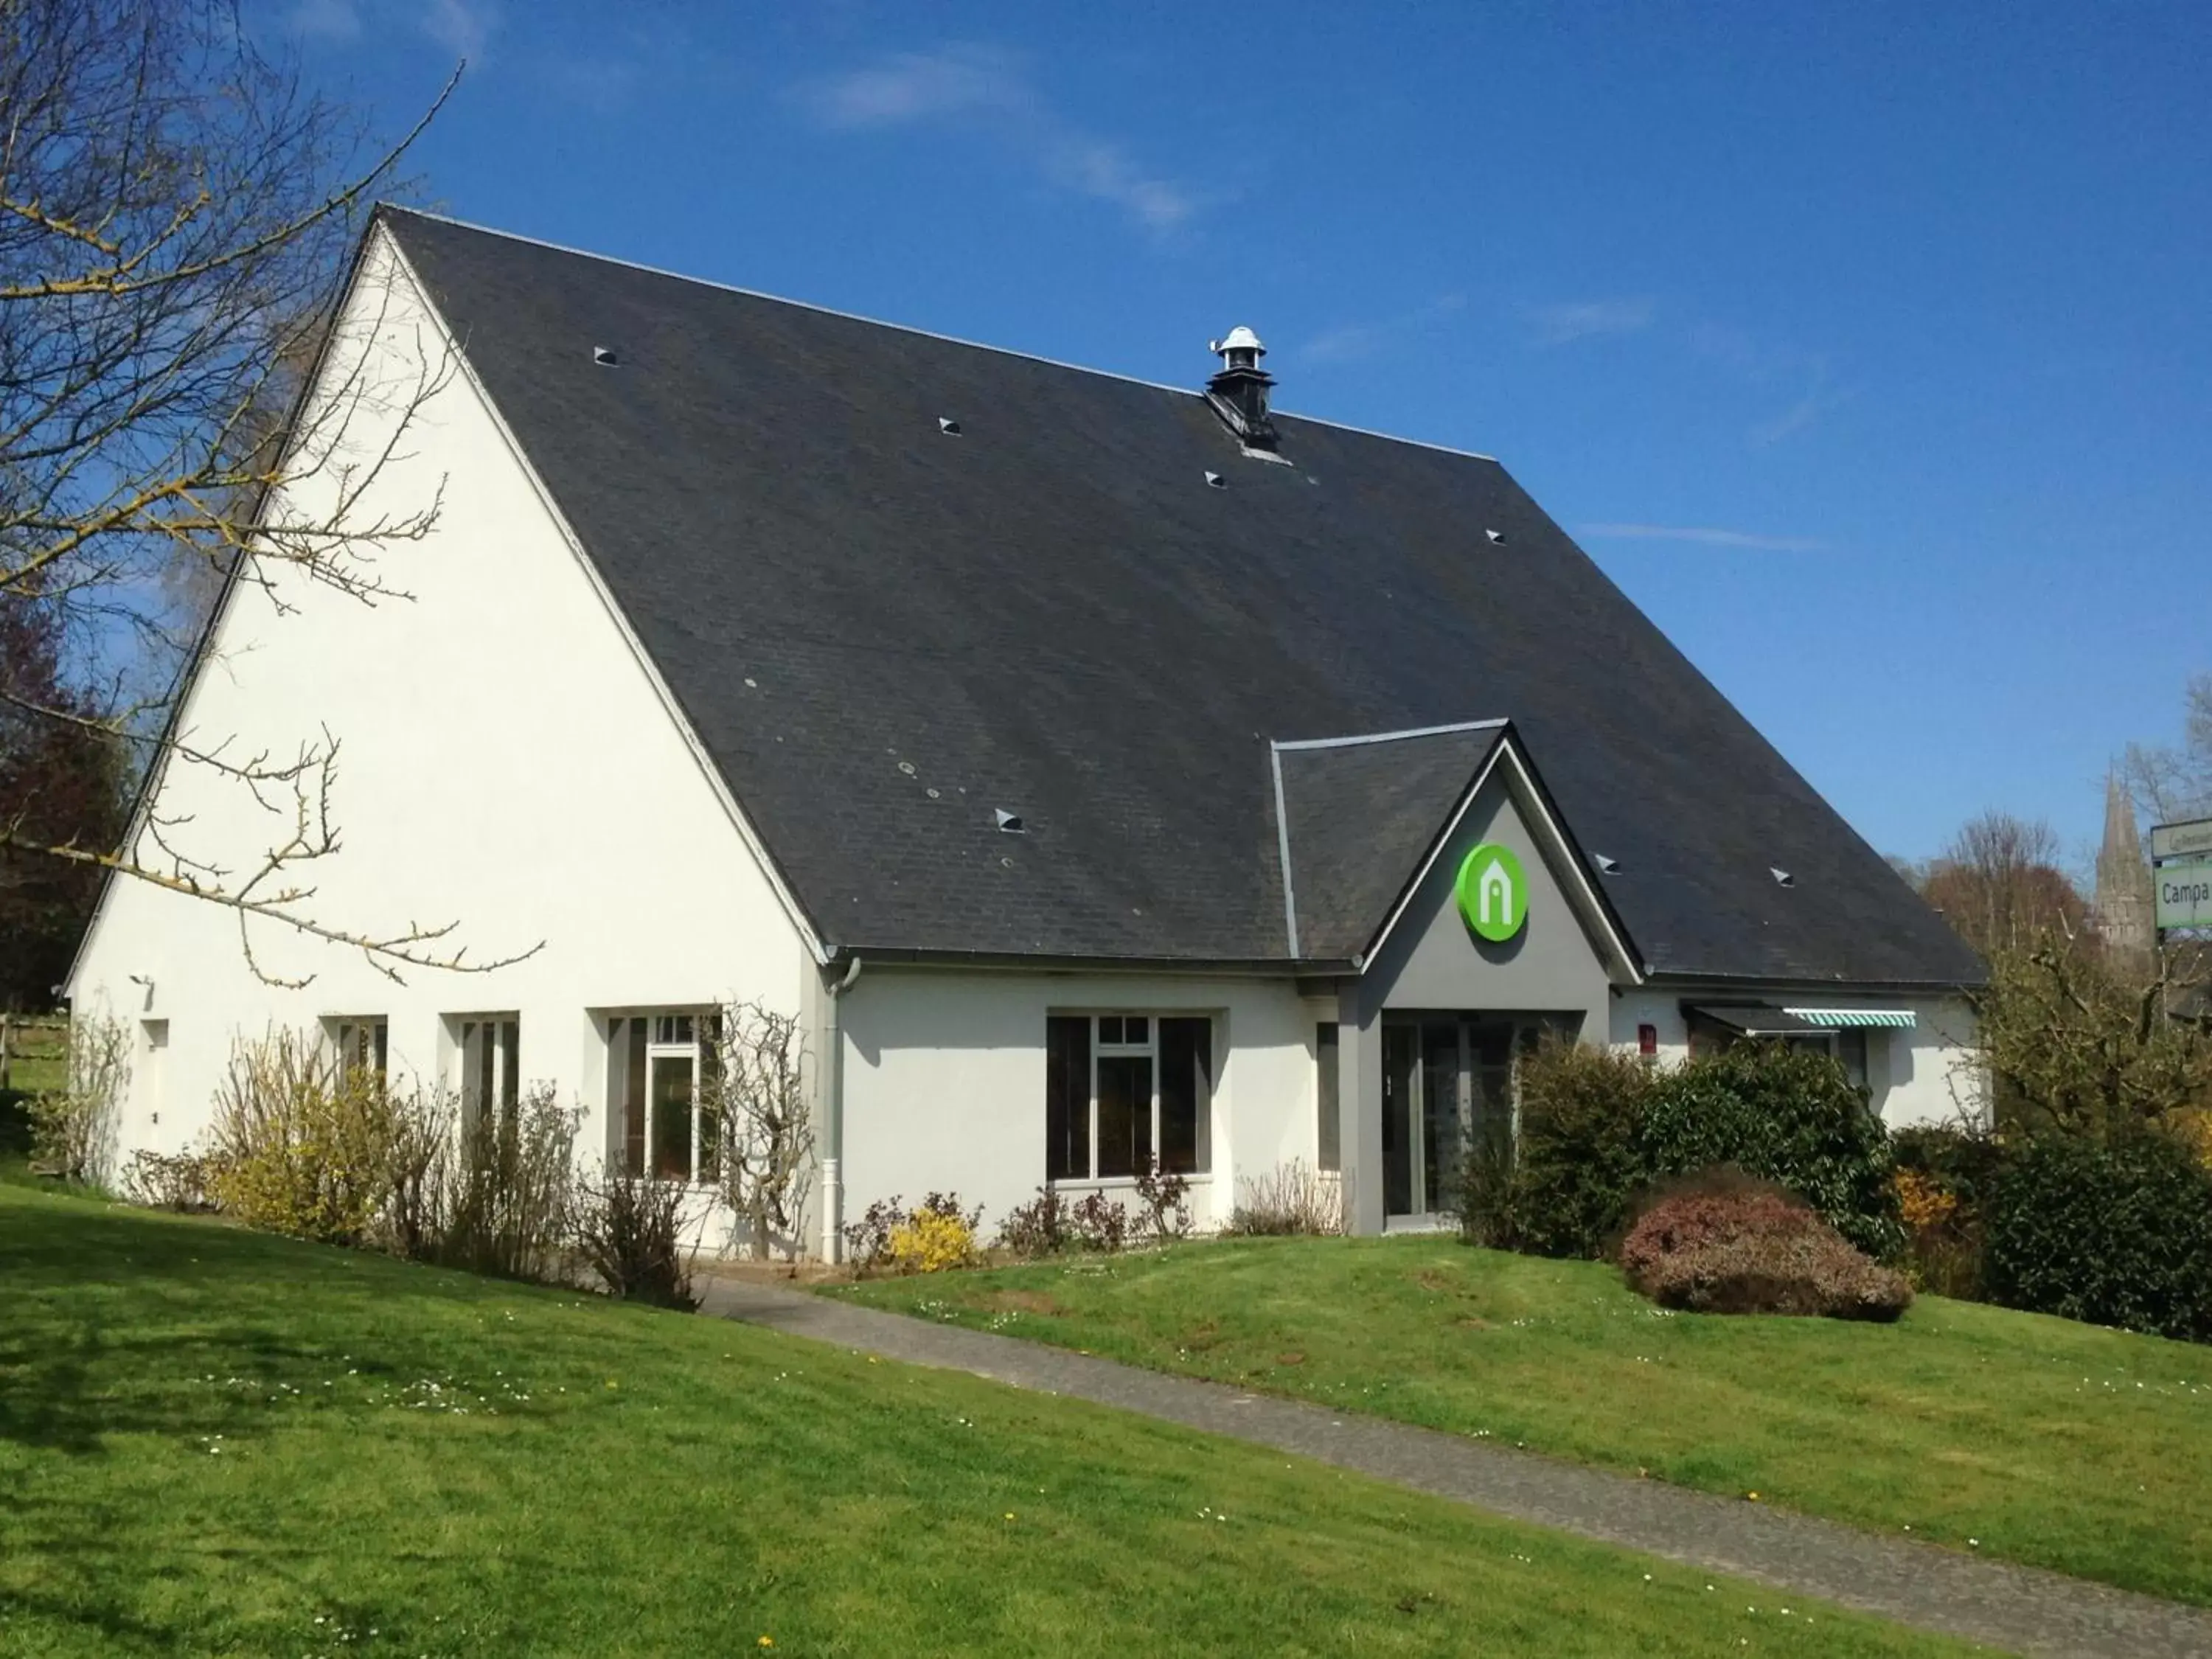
(1292, 1200)
(1728, 1244)
(1163, 1198)
(2117, 1234)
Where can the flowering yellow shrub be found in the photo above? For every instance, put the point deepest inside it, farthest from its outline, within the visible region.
(300, 1147)
(932, 1241)
(1925, 1203)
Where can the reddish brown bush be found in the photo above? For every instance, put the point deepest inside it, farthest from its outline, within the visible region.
(1727, 1244)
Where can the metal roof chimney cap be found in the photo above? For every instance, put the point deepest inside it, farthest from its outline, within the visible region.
(1241, 349)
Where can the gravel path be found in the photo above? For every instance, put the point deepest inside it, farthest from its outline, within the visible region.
(2020, 1609)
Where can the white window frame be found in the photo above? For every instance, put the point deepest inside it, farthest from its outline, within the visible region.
(677, 1033)
(359, 1043)
(1148, 1049)
(469, 1033)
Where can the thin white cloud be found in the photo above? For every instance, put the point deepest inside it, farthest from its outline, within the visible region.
(1352, 343)
(325, 20)
(1817, 401)
(991, 88)
(461, 27)
(1703, 535)
(1586, 320)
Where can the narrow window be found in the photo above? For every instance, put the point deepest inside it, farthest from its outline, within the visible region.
(1066, 1097)
(362, 1045)
(1125, 1114)
(634, 1099)
(1186, 1133)
(488, 1061)
(1326, 1053)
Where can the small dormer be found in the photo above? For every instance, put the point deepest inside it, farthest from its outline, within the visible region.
(1238, 391)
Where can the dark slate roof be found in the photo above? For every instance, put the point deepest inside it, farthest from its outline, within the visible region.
(1360, 815)
(881, 634)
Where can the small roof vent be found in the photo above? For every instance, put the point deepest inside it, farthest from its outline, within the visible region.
(1010, 823)
(1494, 536)
(949, 427)
(1782, 877)
(1239, 392)
(604, 356)
(1216, 481)
(1605, 865)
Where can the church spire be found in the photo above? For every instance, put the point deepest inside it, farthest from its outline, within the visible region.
(2124, 908)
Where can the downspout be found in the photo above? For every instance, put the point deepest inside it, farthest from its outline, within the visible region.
(832, 1062)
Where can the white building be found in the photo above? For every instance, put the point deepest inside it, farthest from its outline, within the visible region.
(1098, 767)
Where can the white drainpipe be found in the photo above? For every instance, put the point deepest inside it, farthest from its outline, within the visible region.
(831, 1060)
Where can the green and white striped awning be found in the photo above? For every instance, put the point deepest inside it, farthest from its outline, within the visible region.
(1902, 1020)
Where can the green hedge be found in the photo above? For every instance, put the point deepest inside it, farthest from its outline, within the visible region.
(2118, 1234)
(1599, 1130)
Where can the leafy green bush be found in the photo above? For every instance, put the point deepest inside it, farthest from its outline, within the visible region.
(1946, 1174)
(2116, 1234)
(1784, 1115)
(1579, 1167)
(1600, 1129)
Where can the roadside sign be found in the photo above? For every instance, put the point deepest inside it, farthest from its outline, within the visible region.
(2181, 841)
(2184, 893)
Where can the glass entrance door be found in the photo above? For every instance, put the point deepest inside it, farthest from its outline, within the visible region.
(1448, 1078)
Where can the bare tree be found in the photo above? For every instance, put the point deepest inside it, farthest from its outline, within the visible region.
(177, 217)
(2000, 885)
(756, 1090)
(2171, 783)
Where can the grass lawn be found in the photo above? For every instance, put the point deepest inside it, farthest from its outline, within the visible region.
(215, 1442)
(2048, 1442)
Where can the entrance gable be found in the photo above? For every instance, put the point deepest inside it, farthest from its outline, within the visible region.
(1563, 957)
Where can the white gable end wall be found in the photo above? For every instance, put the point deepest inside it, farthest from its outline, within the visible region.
(507, 762)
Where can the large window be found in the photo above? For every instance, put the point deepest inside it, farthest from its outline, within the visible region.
(1124, 1090)
(659, 1067)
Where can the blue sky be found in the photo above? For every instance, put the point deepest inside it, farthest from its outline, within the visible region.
(1867, 348)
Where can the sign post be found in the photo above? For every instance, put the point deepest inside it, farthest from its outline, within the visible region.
(2181, 876)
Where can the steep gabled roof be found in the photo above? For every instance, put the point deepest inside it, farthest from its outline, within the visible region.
(883, 633)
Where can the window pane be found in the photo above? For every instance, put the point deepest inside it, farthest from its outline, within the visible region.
(510, 1055)
(1110, 1028)
(1136, 1029)
(1125, 1114)
(1185, 1095)
(1066, 1099)
(634, 1098)
(672, 1117)
(1326, 1053)
(1851, 1049)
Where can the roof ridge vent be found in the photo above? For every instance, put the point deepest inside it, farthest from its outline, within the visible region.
(1238, 391)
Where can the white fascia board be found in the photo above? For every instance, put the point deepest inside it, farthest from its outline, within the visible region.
(707, 769)
(1522, 786)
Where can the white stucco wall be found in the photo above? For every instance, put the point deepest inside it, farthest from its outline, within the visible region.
(1928, 1074)
(944, 1077)
(506, 762)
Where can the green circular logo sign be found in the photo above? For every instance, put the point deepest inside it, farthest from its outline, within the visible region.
(1494, 894)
